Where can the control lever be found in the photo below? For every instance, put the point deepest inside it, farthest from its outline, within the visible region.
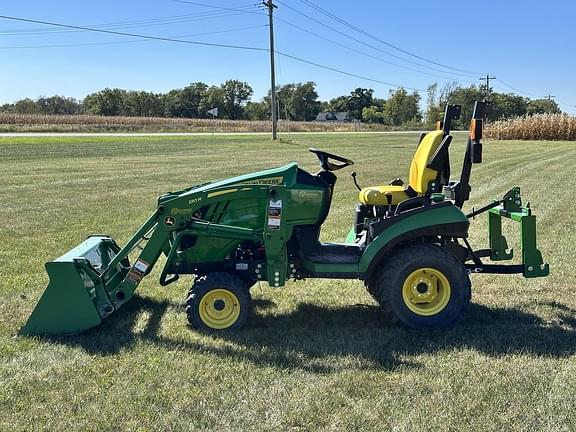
(353, 174)
(389, 201)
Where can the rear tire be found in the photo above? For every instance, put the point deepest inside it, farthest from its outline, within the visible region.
(422, 286)
(218, 302)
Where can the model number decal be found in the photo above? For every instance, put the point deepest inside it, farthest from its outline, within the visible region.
(195, 200)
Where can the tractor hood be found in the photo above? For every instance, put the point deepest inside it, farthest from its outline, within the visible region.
(284, 175)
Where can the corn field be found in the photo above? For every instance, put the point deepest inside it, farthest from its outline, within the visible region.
(10, 122)
(558, 127)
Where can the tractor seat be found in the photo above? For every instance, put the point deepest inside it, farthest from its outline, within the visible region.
(421, 174)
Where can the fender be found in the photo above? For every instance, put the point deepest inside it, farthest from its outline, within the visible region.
(442, 220)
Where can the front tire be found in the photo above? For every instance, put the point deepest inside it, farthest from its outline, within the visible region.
(422, 286)
(218, 302)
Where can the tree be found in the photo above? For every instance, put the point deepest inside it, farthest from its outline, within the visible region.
(215, 99)
(506, 105)
(305, 101)
(500, 105)
(402, 107)
(297, 102)
(172, 103)
(258, 110)
(543, 106)
(373, 114)
(107, 102)
(189, 102)
(192, 100)
(463, 96)
(58, 105)
(7, 107)
(338, 104)
(433, 109)
(235, 94)
(284, 101)
(142, 104)
(26, 106)
(358, 100)
(379, 103)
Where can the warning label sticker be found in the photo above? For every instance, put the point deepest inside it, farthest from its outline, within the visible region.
(274, 214)
(138, 271)
(141, 265)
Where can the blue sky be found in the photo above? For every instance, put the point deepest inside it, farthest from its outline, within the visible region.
(528, 45)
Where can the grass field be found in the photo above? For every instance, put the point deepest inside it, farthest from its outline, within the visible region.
(317, 355)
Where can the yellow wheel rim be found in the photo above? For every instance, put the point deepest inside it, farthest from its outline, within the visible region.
(426, 291)
(219, 308)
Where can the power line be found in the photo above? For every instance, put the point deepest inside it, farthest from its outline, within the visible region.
(365, 33)
(242, 47)
(565, 104)
(353, 27)
(533, 95)
(364, 43)
(131, 24)
(127, 41)
(365, 53)
(117, 33)
(348, 73)
(516, 89)
(220, 7)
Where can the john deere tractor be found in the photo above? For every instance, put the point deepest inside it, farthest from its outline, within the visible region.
(408, 243)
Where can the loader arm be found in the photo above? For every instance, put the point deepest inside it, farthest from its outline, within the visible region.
(91, 281)
(155, 245)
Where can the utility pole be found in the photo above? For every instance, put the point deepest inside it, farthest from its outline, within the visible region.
(271, 6)
(488, 78)
(550, 97)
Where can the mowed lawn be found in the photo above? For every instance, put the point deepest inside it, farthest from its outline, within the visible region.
(316, 355)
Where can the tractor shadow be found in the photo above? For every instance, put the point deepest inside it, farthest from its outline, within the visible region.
(320, 339)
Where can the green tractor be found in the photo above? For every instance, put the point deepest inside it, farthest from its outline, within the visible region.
(408, 243)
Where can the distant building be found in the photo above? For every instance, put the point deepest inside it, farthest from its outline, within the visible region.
(338, 117)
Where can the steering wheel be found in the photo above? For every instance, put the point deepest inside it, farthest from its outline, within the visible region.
(326, 164)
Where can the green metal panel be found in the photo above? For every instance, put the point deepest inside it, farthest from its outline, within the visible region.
(434, 216)
(75, 297)
(214, 242)
(330, 268)
(304, 205)
(243, 203)
(531, 257)
(66, 305)
(285, 175)
(276, 233)
(209, 250)
(532, 260)
(248, 213)
(499, 250)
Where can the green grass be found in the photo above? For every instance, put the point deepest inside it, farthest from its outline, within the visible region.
(317, 355)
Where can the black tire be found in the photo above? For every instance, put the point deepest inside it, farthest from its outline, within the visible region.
(422, 286)
(369, 285)
(218, 302)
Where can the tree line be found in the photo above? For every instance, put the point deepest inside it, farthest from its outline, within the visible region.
(296, 101)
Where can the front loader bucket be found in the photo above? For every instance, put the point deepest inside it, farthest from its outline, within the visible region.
(75, 298)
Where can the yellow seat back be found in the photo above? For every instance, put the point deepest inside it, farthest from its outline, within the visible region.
(420, 174)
